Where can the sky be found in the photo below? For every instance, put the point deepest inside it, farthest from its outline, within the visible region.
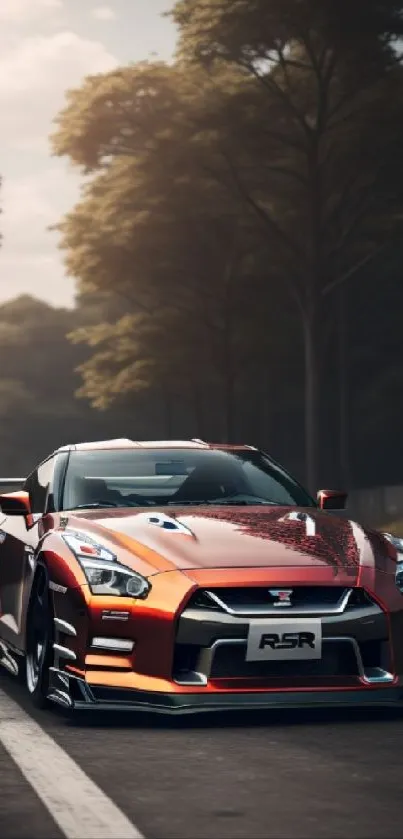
(47, 47)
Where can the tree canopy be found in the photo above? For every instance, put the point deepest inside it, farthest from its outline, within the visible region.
(229, 200)
(320, 80)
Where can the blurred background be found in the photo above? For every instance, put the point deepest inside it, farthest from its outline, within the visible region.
(206, 241)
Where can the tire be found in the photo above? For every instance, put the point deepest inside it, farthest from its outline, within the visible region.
(39, 646)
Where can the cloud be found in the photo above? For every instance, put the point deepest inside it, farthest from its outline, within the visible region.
(34, 202)
(42, 276)
(41, 56)
(104, 13)
(29, 260)
(37, 190)
(24, 11)
(33, 80)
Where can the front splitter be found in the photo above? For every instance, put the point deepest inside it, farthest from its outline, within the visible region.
(77, 695)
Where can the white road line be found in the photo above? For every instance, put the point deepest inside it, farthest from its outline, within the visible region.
(77, 805)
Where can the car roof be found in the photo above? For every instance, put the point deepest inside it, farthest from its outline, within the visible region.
(123, 443)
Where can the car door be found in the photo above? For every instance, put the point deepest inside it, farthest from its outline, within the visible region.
(17, 550)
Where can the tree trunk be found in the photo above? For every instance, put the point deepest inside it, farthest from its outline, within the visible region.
(229, 375)
(311, 311)
(344, 460)
(312, 386)
(229, 413)
(198, 410)
(266, 413)
(167, 414)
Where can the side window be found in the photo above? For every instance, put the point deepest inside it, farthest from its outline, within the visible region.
(38, 483)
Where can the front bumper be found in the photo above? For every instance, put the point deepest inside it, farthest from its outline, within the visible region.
(357, 650)
(195, 660)
(76, 694)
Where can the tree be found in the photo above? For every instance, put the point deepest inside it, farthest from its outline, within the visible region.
(156, 228)
(187, 298)
(270, 125)
(319, 79)
(38, 411)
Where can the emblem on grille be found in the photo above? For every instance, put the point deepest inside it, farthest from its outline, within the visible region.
(283, 596)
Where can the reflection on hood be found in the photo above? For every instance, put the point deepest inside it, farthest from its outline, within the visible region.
(334, 541)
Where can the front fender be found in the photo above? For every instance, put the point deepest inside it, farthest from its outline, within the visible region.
(63, 568)
(68, 585)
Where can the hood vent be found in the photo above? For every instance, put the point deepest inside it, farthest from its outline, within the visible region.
(167, 523)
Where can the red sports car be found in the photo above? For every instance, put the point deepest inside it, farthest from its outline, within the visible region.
(185, 576)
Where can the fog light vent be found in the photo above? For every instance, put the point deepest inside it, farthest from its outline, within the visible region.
(121, 645)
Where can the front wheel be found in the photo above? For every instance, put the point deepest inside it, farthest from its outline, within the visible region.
(39, 650)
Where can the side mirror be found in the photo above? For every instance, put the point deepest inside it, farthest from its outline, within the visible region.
(331, 499)
(17, 504)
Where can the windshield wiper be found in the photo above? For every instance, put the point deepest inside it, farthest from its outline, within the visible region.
(245, 499)
(95, 505)
(222, 502)
(187, 503)
(99, 505)
(240, 502)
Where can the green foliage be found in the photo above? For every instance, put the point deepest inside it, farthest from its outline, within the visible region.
(37, 407)
(113, 369)
(319, 80)
(119, 113)
(257, 29)
(312, 92)
(164, 233)
(227, 186)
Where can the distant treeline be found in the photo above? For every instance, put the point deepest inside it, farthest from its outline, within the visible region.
(39, 410)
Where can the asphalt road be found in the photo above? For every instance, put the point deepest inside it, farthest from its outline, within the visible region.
(311, 776)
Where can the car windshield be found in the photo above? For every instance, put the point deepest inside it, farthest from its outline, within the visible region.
(168, 477)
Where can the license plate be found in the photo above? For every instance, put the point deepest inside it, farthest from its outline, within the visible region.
(284, 640)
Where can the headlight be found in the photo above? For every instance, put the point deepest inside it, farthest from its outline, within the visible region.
(113, 578)
(398, 544)
(105, 575)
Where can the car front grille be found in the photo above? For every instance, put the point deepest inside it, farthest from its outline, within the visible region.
(214, 627)
(259, 600)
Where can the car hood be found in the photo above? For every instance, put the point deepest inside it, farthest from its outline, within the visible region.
(232, 537)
